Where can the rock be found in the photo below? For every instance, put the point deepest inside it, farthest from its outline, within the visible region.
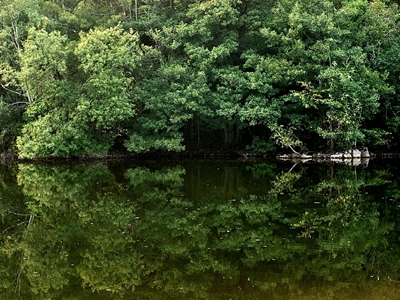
(356, 153)
(356, 162)
(365, 153)
(347, 155)
(337, 156)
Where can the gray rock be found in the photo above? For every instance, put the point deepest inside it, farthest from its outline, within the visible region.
(356, 153)
(337, 156)
(347, 155)
(365, 153)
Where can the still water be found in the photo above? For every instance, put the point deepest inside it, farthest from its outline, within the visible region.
(199, 230)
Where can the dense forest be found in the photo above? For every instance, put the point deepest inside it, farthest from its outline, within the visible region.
(96, 76)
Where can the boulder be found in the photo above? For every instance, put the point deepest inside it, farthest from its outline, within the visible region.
(347, 155)
(365, 153)
(356, 153)
(337, 156)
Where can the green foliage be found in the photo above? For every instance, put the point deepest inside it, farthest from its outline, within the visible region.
(10, 125)
(109, 58)
(43, 62)
(57, 134)
(163, 113)
(261, 146)
(173, 75)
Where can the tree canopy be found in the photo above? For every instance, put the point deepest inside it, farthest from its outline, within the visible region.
(89, 77)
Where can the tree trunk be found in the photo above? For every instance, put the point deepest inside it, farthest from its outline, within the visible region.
(232, 135)
(136, 10)
(238, 135)
(331, 141)
(229, 135)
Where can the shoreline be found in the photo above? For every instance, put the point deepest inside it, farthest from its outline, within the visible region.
(337, 157)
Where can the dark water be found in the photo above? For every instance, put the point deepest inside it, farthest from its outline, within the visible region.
(199, 230)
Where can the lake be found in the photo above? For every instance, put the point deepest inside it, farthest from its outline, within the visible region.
(199, 230)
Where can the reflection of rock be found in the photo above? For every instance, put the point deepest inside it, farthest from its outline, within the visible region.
(336, 160)
(365, 161)
(347, 162)
(357, 161)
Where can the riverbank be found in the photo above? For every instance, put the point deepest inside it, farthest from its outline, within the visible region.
(337, 157)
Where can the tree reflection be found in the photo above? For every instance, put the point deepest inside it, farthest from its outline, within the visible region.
(164, 232)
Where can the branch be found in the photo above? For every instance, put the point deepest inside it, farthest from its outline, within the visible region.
(285, 144)
(18, 93)
(11, 91)
(19, 102)
(17, 214)
(291, 148)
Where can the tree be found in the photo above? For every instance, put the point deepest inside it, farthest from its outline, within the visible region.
(70, 117)
(327, 77)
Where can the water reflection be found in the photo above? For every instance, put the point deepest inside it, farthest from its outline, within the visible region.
(199, 231)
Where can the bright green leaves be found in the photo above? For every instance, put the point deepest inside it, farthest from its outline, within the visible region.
(16, 18)
(211, 44)
(209, 17)
(43, 62)
(59, 126)
(59, 134)
(264, 76)
(108, 99)
(78, 118)
(102, 49)
(109, 58)
(42, 75)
